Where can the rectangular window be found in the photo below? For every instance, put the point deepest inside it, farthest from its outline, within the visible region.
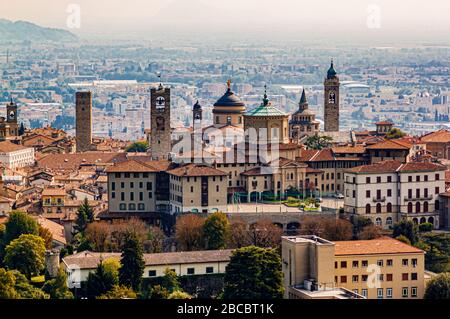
(343, 264)
(405, 276)
(389, 292)
(113, 186)
(191, 271)
(131, 196)
(367, 180)
(389, 192)
(364, 278)
(410, 179)
(152, 273)
(117, 175)
(436, 190)
(413, 291)
(389, 179)
(389, 262)
(436, 177)
(122, 196)
(149, 186)
(425, 178)
(209, 270)
(343, 279)
(418, 178)
(378, 179)
(380, 263)
(335, 264)
(113, 194)
(389, 277)
(414, 262)
(405, 292)
(364, 263)
(367, 193)
(364, 293)
(355, 278)
(355, 264)
(405, 262)
(380, 293)
(414, 276)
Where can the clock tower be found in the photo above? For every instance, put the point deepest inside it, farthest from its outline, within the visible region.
(331, 100)
(160, 141)
(11, 118)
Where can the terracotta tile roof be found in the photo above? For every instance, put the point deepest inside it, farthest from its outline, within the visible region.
(74, 161)
(441, 136)
(383, 245)
(54, 192)
(8, 147)
(384, 123)
(306, 155)
(131, 166)
(90, 260)
(55, 229)
(349, 150)
(256, 171)
(323, 155)
(396, 166)
(196, 170)
(390, 145)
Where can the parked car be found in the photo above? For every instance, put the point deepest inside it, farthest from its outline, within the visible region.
(338, 196)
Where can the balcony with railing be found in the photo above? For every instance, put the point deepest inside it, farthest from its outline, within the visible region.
(417, 198)
(381, 199)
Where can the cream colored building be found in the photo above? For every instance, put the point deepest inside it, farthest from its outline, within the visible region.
(197, 188)
(374, 269)
(388, 191)
(78, 266)
(15, 156)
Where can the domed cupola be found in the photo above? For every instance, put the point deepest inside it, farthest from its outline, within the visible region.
(228, 110)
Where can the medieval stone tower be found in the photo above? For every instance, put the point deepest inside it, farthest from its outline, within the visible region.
(331, 100)
(160, 123)
(83, 105)
(11, 111)
(197, 115)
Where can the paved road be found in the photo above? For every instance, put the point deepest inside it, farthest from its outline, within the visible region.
(278, 208)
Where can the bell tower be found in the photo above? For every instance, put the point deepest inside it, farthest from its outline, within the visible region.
(197, 114)
(160, 139)
(11, 119)
(331, 100)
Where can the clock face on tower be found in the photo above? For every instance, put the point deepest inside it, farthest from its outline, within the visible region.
(160, 102)
(12, 115)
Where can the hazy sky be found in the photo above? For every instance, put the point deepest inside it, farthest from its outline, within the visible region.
(396, 17)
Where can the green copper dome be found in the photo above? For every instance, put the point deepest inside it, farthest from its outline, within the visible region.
(265, 109)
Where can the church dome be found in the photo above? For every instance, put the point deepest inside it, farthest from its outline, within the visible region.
(229, 99)
(331, 73)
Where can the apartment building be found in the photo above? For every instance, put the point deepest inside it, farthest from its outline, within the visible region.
(389, 191)
(15, 156)
(197, 188)
(315, 268)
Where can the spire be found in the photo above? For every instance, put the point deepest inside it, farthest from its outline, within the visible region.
(229, 84)
(265, 99)
(303, 98)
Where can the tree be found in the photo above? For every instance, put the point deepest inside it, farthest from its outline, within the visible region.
(26, 254)
(103, 279)
(19, 223)
(98, 234)
(253, 273)
(139, 146)
(239, 233)
(395, 133)
(312, 226)
(132, 263)
(158, 292)
(189, 232)
(438, 287)
(121, 229)
(57, 287)
(119, 292)
(47, 236)
(14, 285)
(316, 142)
(177, 294)
(403, 239)
(370, 232)
(170, 281)
(265, 234)
(337, 229)
(85, 215)
(406, 228)
(217, 231)
(155, 240)
(426, 227)
(359, 222)
(21, 129)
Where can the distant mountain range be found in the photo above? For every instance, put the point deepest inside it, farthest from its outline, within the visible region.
(27, 31)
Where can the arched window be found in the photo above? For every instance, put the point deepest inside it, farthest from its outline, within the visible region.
(417, 207)
(431, 220)
(389, 221)
(410, 207)
(389, 208)
(425, 207)
(378, 221)
(378, 208)
(368, 209)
